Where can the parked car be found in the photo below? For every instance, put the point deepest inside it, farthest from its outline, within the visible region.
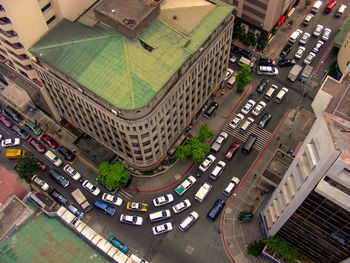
(264, 120)
(137, 207)
(115, 242)
(161, 229)
(5, 121)
(112, 199)
(248, 106)
(217, 171)
(262, 85)
(185, 185)
(211, 109)
(232, 150)
(49, 141)
(231, 186)
(280, 95)
(75, 211)
(326, 34)
(68, 155)
(206, 163)
(245, 53)
(233, 59)
(43, 185)
(72, 172)
(91, 188)
(220, 140)
(189, 221)
(300, 52)
(259, 108)
(267, 62)
(237, 119)
(287, 48)
(215, 210)
(309, 58)
(13, 114)
(20, 132)
(319, 44)
(267, 70)
(228, 73)
(305, 38)
(37, 145)
(58, 197)
(163, 200)
(10, 142)
(286, 62)
(330, 6)
(104, 207)
(60, 179)
(131, 220)
(318, 30)
(179, 207)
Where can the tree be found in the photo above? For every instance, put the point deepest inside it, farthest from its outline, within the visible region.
(262, 42)
(291, 22)
(255, 248)
(26, 167)
(282, 249)
(238, 32)
(243, 78)
(307, 2)
(205, 133)
(198, 150)
(183, 152)
(334, 71)
(112, 175)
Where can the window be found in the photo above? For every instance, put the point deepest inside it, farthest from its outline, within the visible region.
(50, 20)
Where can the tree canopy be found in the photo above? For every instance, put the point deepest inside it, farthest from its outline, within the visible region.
(243, 77)
(26, 167)
(112, 175)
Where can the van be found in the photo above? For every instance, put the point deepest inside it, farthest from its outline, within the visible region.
(317, 5)
(53, 158)
(270, 92)
(231, 81)
(137, 259)
(330, 6)
(308, 19)
(295, 35)
(340, 11)
(215, 210)
(244, 61)
(14, 153)
(248, 145)
(160, 215)
(267, 70)
(188, 221)
(60, 179)
(109, 210)
(246, 124)
(33, 127)
(281, 94)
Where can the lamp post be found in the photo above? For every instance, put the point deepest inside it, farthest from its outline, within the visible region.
(113, 11)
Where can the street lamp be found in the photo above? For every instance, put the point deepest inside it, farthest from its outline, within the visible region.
(113, 11)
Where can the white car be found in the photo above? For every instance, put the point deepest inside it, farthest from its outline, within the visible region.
(163, 228)
(248, 107)
(319, 44)
(112, 199)
(91, 188)
(326, 34)
(185, 185)
(228, 73)
(163, 200)
(233, 59)
(189, 221)
(300, 52)
(131, 220)
(206, 163)
(237, 119)
(218, 169)
(44, 186)
(72, 172)
(10, 142)
(259, 108)
(318, 30)
(220, 140)
(309, 58)
(181, 206)
(305, 38)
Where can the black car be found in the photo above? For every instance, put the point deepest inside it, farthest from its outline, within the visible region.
(286, 62)
(68, 155)
(287, 48)
(13, 114)
(247, 54)
(236, 50)
(211, 109)
(58, 197)
(22, 133)
(267, 62)
(264, 120)
(262, 85)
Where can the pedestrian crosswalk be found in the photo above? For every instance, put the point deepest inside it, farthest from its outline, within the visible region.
(124, 194)
(263, 135)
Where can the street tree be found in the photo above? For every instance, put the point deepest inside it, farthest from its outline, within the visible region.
(205, 133)
(26, 167)
(243, 78)
(112, 175)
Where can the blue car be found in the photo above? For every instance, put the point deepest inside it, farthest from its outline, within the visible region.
(115, 242)
(109, 210)
(215, 210)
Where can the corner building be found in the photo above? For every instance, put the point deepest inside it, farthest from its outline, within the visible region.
(136, 95)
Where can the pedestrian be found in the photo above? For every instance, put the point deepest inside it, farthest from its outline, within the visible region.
(280, 146)
(73, 150)
(277, 138)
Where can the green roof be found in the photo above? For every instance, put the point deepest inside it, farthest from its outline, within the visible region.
(118, 69)
(340, 37)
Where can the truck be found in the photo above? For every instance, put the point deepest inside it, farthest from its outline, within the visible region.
(185, 185)
(304, 76)
(15, 153)
(203, 192)
(294, 72)
(81, 200)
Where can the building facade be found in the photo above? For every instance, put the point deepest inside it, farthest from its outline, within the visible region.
(310, 208)
(142, 131)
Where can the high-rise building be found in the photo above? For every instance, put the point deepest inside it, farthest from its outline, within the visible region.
(260, 16)
(310, 208)
(136, 84)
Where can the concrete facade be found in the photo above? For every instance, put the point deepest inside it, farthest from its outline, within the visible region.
(344, 55)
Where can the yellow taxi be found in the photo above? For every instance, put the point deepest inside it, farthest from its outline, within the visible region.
(139, 207)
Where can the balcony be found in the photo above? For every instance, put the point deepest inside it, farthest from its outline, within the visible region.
(10, 36)
(23, 58)
(5, 24)
(25, 67)
(16, 48)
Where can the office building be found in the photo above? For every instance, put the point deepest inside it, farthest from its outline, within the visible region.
(138, 76)
(310, 208)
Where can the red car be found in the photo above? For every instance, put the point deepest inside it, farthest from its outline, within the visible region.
(234, 147)
(37, 145)
(5, 121)
(49, 141)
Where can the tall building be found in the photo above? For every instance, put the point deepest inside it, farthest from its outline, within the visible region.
(138, 76)
(260, 16)
(310, 208)
(341, 41)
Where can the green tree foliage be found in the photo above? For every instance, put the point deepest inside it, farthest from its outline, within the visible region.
(255, 248)
(183, 152)
(282, 249)
(238, 32)
(334, 71)
(243, 78)
(205, 133)
(262, 42)
(26, 167)
(112, 175)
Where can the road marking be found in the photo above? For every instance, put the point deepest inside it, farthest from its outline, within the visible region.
(306, 123)
(87, 163)
(124, 194)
